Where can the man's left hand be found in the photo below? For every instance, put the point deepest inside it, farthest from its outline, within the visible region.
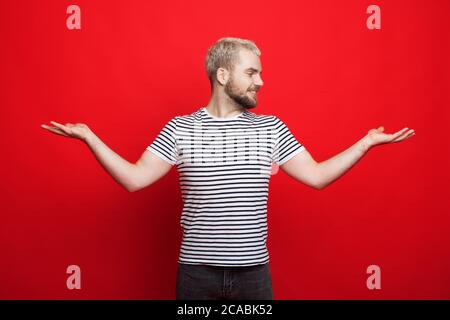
(377, 136)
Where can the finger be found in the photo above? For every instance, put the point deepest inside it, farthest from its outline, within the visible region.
(402, 136)
(56, 124)
(399, 133)
(405, 136)
(54, 130)
(60, 126)
(408, 135)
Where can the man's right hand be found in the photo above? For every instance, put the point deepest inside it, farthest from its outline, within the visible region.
(77, 130)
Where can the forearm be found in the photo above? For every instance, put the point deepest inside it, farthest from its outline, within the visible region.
(333, 168)
(122, 171)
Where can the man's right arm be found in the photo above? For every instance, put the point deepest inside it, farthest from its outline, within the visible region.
(147, 170)
(133, 177)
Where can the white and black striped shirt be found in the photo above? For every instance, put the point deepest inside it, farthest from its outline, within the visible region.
(224, 165)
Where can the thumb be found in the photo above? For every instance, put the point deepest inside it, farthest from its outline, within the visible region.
(381, 129)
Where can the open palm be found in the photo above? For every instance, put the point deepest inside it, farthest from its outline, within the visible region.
(377, 136)
(77, 130)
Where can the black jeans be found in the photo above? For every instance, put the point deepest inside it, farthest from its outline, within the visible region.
(204, 282)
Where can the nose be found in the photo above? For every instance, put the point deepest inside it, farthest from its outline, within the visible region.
(259, 81)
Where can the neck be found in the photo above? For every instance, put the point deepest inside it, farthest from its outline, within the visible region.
(223, 106)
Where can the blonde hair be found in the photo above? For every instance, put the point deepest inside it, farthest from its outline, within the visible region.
(225, 54)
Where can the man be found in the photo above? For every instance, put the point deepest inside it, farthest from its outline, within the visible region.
(224, 154)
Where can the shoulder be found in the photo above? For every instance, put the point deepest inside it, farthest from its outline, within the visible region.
(261, 118)
(275, 123)
(179, 120)
(187, 118)
(270, 119)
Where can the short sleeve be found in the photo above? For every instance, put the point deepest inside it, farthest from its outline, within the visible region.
(164, 145)
(286, 145)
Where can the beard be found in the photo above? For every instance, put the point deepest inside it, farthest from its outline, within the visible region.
(240, 98)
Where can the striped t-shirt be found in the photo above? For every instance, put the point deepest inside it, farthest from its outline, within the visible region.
(224, 167)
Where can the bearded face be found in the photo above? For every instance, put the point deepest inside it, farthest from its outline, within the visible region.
(242, 95)
(245, 80)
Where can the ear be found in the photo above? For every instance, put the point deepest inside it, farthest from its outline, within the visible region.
(222, 76)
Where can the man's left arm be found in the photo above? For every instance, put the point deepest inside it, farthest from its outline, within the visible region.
(305, 169)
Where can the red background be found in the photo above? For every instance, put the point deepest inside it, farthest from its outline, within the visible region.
(136, 64)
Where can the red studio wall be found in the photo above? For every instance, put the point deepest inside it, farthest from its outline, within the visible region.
(133, 65)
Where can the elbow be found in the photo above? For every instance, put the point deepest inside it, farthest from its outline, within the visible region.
(319, 181)
(137, 186)
(132, 188)
(319, 185)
